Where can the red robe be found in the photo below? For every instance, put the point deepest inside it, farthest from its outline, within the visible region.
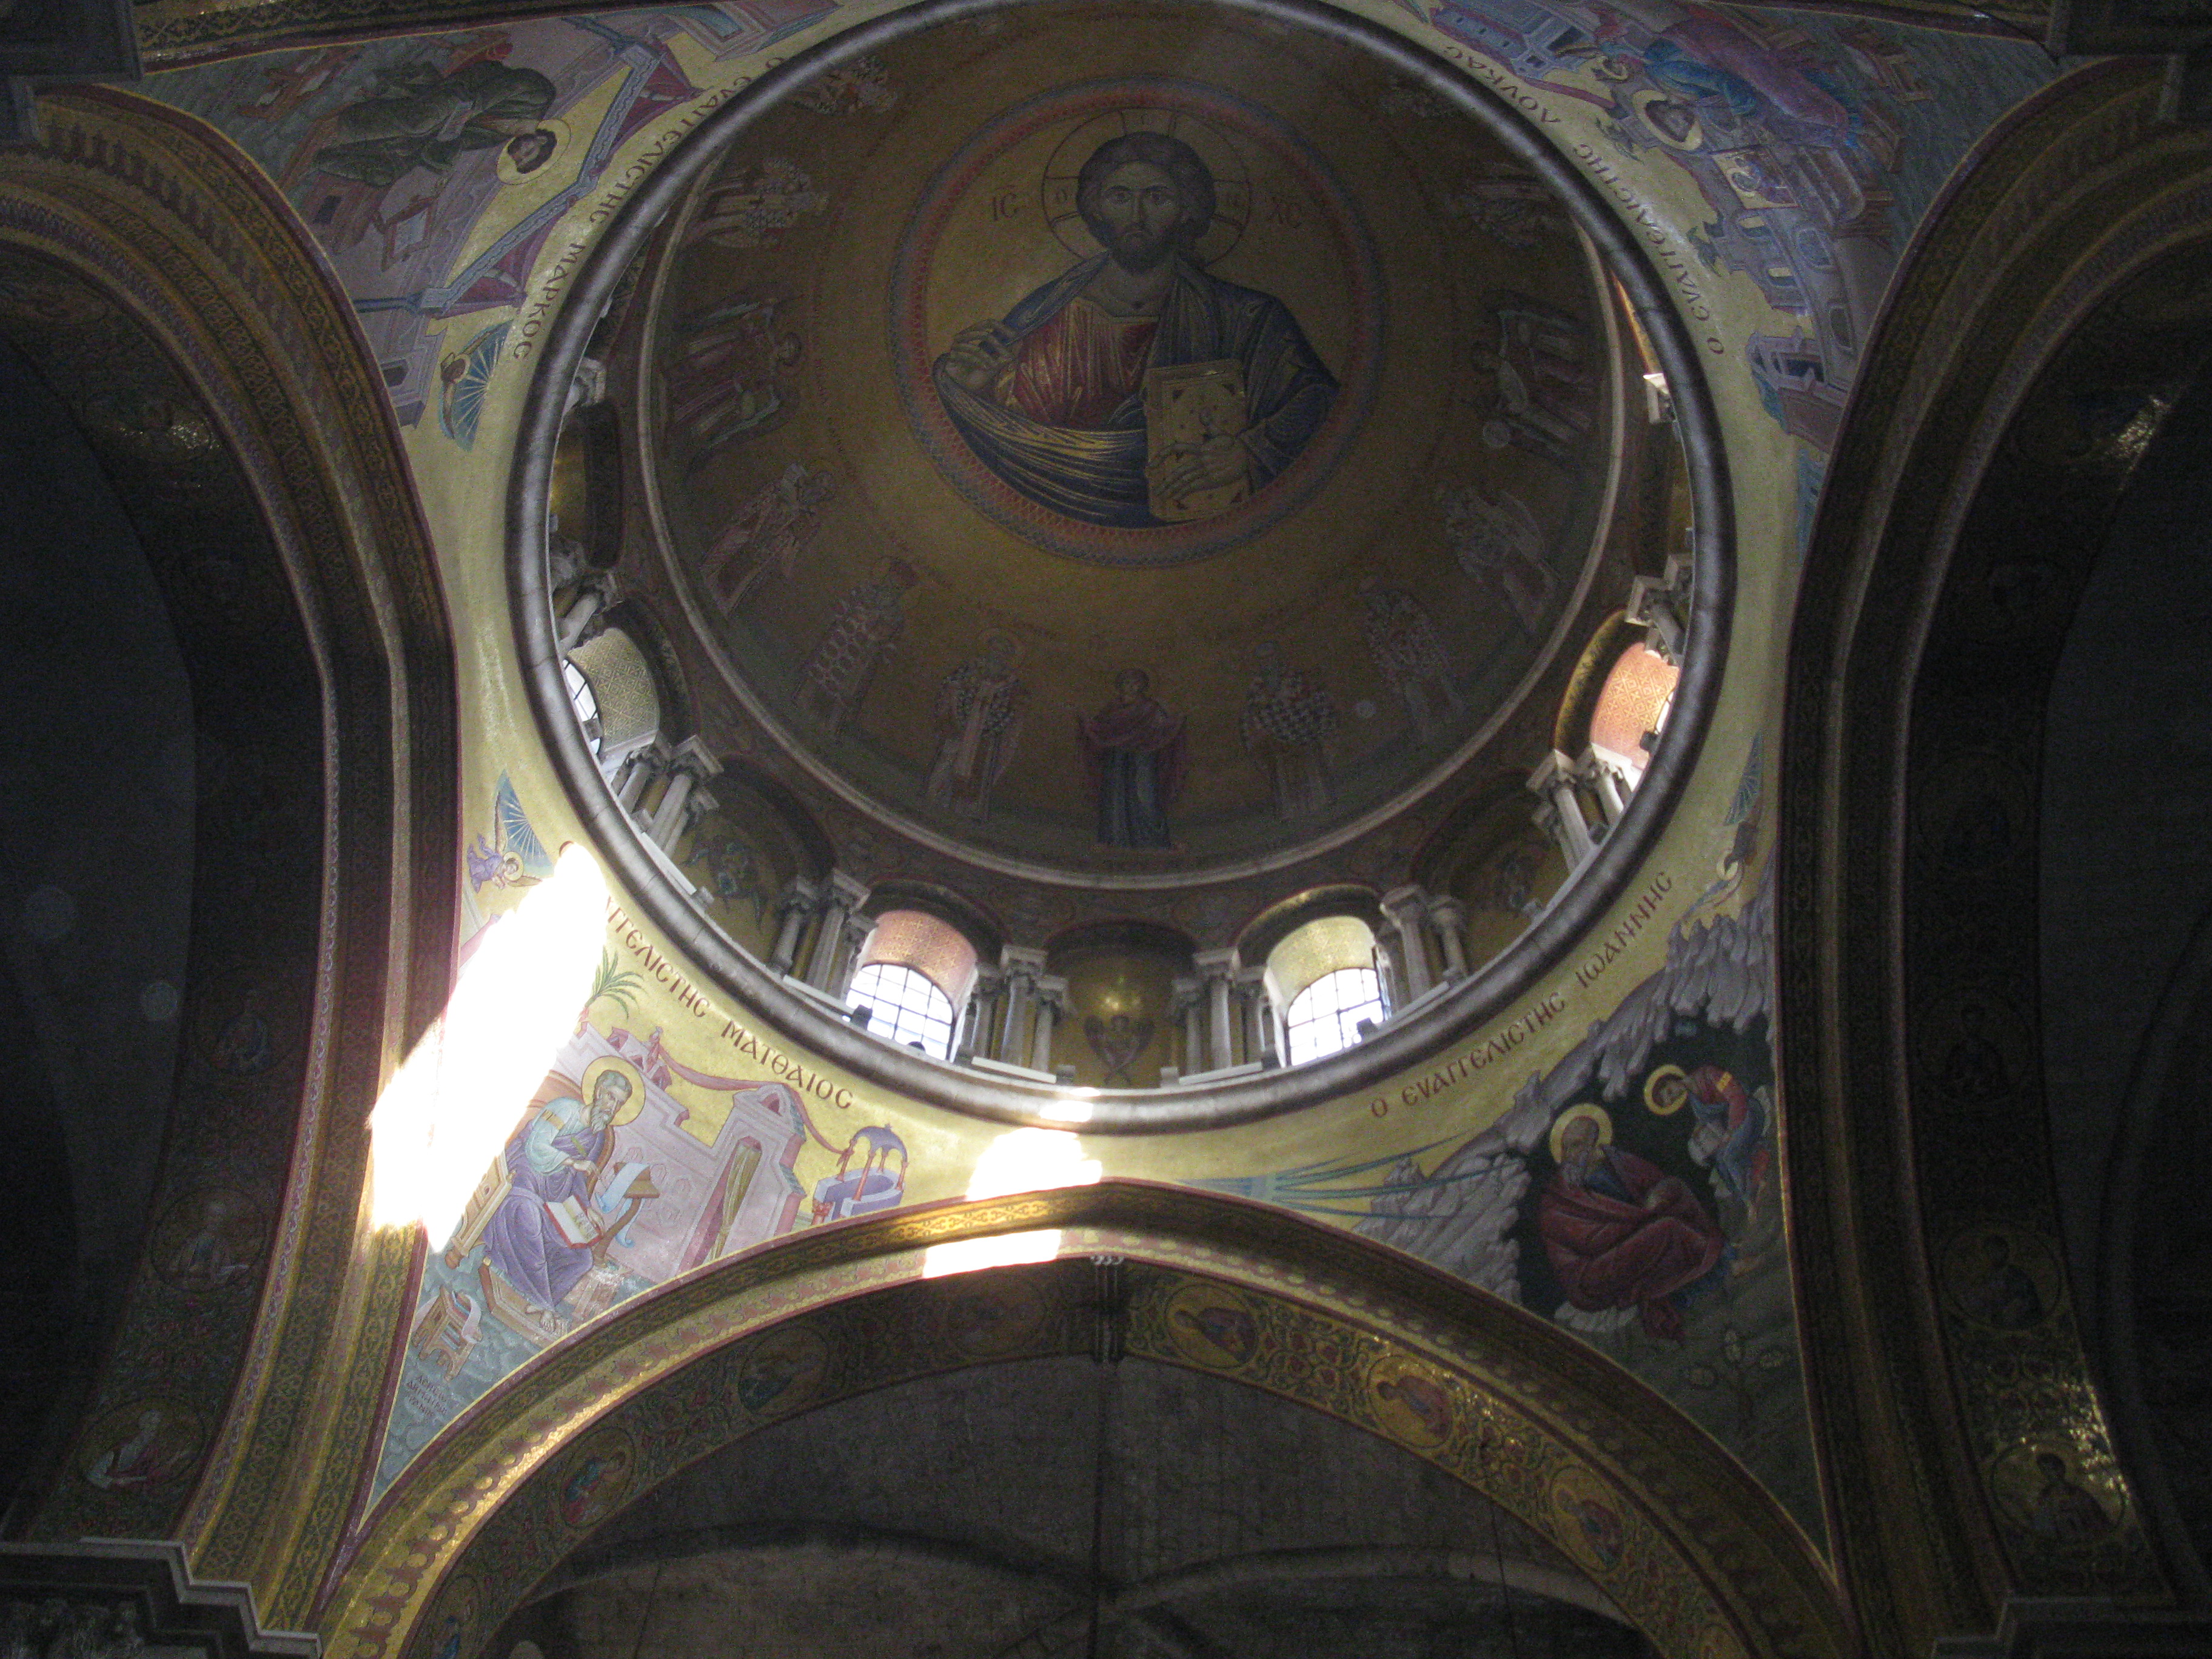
(1611, 1254)
(1080, 367)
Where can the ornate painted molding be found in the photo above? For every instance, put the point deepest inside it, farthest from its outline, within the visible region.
(1908, 1009)
(1703, 1561)
(161, 222)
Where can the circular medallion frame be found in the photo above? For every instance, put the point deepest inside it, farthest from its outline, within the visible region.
(1213, 121)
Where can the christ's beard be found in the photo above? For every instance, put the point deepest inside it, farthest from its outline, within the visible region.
(1136, 252)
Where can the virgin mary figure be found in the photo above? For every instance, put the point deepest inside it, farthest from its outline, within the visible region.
(1135, 751)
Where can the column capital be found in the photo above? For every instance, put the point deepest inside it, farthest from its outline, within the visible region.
(845, 890)
(1185, 991)
(693, 757)
(1053, 988)
(590, 385)
(1551, 772)
(1021, 961)
(1411, 900)
(800, 894)
(1660, 606)
(1216, 964)
(1254, 978)
(1445, 911)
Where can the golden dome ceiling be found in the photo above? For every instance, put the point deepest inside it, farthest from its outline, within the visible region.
(1156, 558)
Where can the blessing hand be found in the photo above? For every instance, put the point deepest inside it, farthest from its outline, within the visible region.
(1208, 464)
(980, 354)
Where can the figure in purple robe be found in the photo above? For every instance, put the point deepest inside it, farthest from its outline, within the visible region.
(557, 1155)
(1133, 749)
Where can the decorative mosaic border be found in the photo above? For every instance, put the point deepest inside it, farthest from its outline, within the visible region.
(1704, 1562)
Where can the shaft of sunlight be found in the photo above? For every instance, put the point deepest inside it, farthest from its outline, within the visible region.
(449, 1108)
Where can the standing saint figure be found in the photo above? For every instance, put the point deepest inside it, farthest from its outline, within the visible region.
(1287, 720)
(1134, 749)
(771, 529)
(419, 118)
(865, 624)
(1621, 1232)
(979, 713)
(1052, 398)
(1496, 541)
(1410, 655)
(557, 1155)
(727, 376)
(1544, 393)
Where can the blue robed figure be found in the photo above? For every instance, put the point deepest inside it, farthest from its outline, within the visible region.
(1052, 398)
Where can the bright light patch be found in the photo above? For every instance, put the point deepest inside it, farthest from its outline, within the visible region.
(449, 1109)
(969, 1255)
(1031, 1161)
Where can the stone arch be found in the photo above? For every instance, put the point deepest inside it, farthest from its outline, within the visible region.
(1969, 496)
(175, 243)
(1704, 1562)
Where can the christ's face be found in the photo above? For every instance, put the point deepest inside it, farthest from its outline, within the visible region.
(1140, 210)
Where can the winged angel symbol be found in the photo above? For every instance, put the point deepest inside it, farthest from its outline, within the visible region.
(512, 856)
(1117, 1042)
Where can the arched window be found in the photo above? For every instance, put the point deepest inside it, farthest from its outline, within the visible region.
(1632, 711)
(905, 1007)
(1325, 1017)
(612, 690)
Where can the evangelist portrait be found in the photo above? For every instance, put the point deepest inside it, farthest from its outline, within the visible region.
(1137, 388)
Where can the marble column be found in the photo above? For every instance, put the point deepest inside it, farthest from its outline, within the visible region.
(1216, 968)
(841, 896)
(975, 1017)
(696, 805)
(1261, 1041)
(639, 771)
(1190, 1008)
(1448, 919)
(689, 765)
(859, 928)
(1021, 967)
(1051, 1004)
(799, 902)
(1613, 799)
(588, 386)
(1661, 605)
(1560, 814)
(1407, 909)
(592, 596)
(1389, 972)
